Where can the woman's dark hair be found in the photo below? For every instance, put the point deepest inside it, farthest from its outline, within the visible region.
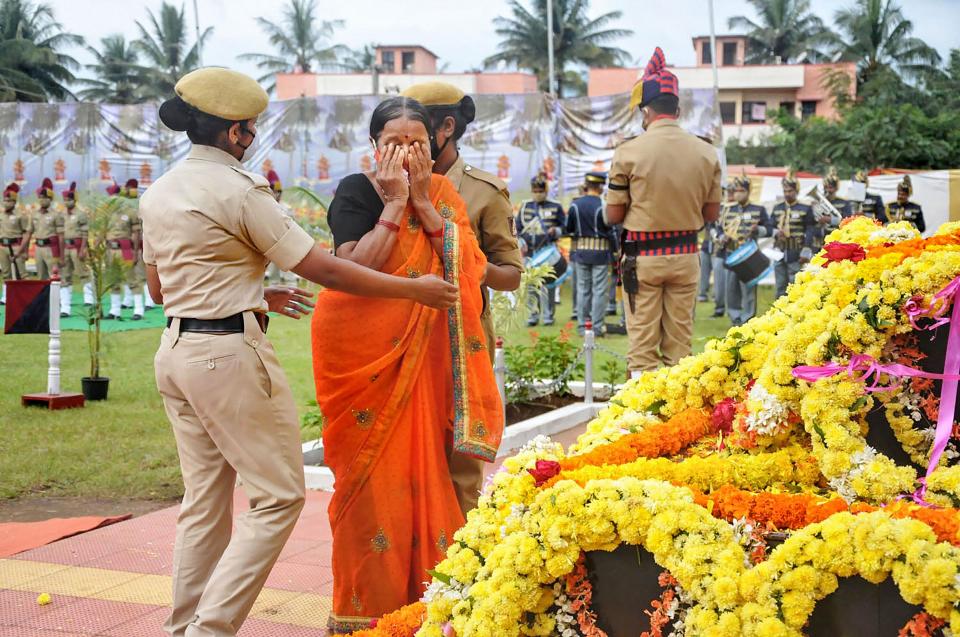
(200, 127)
(462, 114)
(395, 108)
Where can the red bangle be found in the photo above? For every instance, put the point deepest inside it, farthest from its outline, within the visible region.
(389, 225)
(436, 234)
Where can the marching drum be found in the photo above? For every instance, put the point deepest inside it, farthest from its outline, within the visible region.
(551, 255)
(749, 263)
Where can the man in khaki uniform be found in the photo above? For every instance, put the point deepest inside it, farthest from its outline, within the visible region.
(15, 233)
(76, 225)
(123, 246)
(47, 232)
(210, 228)
(664, 185)
(491, 217)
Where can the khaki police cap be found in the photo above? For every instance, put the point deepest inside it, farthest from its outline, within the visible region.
(216, 91)
(434, 94)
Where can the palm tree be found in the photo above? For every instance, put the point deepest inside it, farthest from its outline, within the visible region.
(300, 39)
(33, 67)
(360, 60)
(876, 35)
(117, 76)
(577, 39)
(164, 45)
(785, 31)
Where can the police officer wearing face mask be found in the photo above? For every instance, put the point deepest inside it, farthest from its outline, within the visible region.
(541, 222)
(209, 229)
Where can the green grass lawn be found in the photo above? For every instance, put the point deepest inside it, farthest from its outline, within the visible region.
(124, 448)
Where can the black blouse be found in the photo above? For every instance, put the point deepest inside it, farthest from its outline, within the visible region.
(355, 209)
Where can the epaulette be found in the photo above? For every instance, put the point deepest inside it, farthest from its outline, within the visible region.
(259, 181)
(482, 175)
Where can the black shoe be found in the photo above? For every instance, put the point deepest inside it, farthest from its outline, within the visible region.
(88, 305)
(138, 317)
(548, 322)
(718, 313)
(126, 307)
(113, 317)
(616, 328)
(533, 322)
(64, 315)
(611, 311)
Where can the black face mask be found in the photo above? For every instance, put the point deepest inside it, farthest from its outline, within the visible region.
(435, 149)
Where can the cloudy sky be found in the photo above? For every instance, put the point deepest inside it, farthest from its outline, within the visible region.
(461, 33)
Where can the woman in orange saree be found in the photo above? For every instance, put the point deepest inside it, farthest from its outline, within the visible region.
(398, 381)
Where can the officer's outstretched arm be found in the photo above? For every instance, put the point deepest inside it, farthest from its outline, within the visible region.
(329, 271)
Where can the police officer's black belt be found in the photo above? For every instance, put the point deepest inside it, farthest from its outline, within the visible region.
(114, 244)
(9, 242)
(230, 325)
(43, 242)
(72, 242)
(642, 247)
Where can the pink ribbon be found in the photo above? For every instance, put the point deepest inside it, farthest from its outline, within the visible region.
(866, 369)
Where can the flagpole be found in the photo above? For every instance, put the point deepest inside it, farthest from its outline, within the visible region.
(196, 23)
(716, 89)
(550, 76)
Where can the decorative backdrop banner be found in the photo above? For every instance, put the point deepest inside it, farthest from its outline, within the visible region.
(314, 142)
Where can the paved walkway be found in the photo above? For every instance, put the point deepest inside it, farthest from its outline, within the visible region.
(115, 581)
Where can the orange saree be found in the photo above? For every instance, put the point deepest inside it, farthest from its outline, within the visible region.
(396, 381)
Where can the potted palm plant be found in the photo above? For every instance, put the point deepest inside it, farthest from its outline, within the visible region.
(105, 271)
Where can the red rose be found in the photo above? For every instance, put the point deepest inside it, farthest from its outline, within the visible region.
(837, 251)
(544, 470)
(723, 414)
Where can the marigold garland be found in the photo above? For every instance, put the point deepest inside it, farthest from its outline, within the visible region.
(404, 622)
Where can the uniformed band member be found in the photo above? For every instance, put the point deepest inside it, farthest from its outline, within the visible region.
(210, 227)
(905, 210)
(718, 254)
(738, 224)
(594, 245)
(540, 223)
(15, 231)
(795, 227)
(47, 232)
(664, 185)
(123, 246)
(76, 226)
(831, 184)
(872, 205)
(491, 217)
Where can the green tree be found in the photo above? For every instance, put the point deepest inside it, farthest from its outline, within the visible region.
(301, 41)
(360, 60)
(785, 31)
(33, 66)
(876, 35)
(117, 77)
(578, 39)
(165, 48)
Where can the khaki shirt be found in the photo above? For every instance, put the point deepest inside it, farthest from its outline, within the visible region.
(13, 226)
(47, 224)
(664, 177)
(124, 221)
(491, 217)
(76, 224)
(490, 212)
(211, 228)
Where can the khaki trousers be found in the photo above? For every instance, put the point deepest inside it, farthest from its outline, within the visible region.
(6, 264)
(73, 265)
(134, 275)
(466, 472)
(660, 329)
(46, 262)
(232, 413)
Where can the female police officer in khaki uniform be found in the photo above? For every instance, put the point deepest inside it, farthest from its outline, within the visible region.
(210, 228)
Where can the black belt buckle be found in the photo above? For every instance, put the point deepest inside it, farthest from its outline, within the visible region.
(43, 242)
(9, 242)
(115, 245)
(72, 242)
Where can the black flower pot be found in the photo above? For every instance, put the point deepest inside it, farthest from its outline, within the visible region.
(95, 388)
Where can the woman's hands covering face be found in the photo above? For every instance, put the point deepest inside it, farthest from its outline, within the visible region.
(390, 174)
(421, 169)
